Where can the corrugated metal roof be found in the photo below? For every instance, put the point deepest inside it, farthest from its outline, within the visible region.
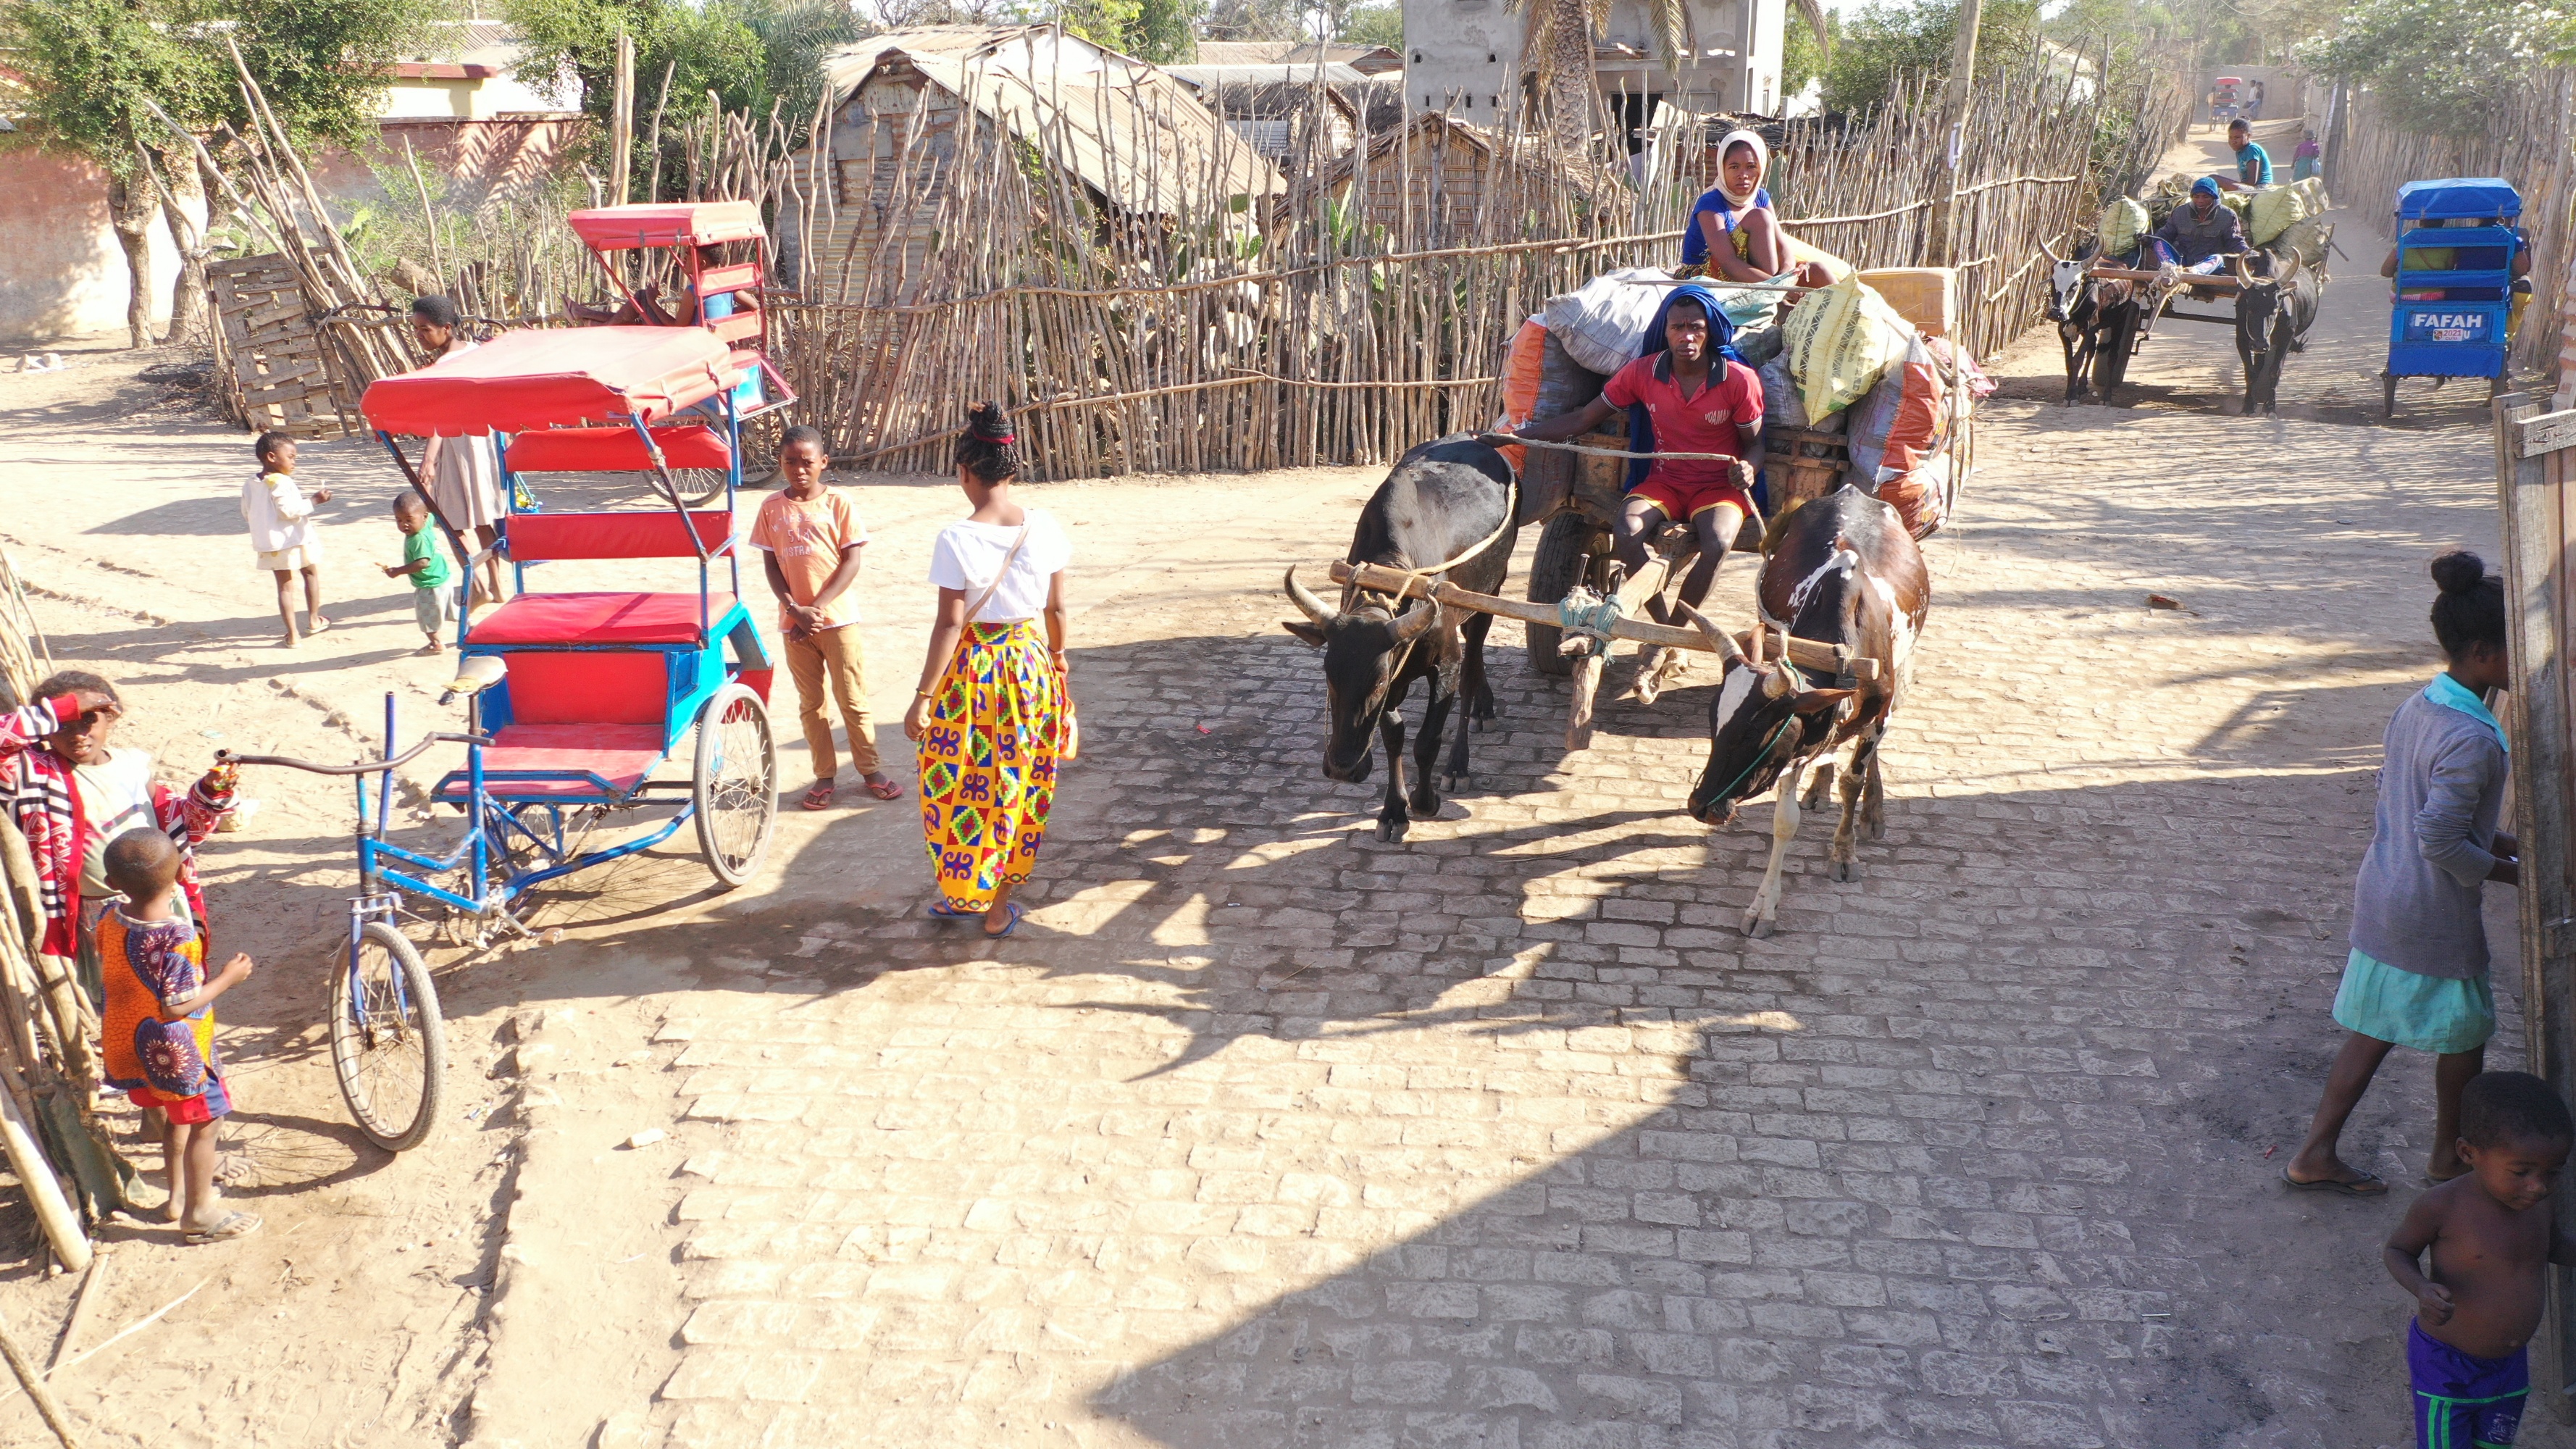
(1285, 73)
(1126, 128)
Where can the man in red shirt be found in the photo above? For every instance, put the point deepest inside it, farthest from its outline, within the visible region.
(1698, 402)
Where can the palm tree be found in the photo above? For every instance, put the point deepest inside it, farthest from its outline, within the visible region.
(1558, 50)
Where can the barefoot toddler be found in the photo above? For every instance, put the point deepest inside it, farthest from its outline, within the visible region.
(432, 605)
(159, 1025)
(281, 530)
(2468, 1349)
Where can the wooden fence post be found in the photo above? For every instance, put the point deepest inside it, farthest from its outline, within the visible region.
(2531, 494)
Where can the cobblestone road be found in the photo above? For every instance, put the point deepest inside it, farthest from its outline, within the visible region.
(1260, 1134)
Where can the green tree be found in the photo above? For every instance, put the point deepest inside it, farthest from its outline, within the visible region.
(1882, 41)
(1373, 25)
(1803, 54)
(2445, 69)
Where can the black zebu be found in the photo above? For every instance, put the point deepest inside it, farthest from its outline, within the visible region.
(2097, 321)
(2273, 313)
(1839, 570)
(1439, 501)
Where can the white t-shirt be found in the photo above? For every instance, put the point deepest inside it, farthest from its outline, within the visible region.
(968, 554)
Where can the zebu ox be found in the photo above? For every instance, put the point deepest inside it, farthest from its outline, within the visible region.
(2273, 314)
(2097, 321)
(1840, 570)
(1439, 501)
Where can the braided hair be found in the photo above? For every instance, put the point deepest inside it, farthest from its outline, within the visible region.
(990, 448)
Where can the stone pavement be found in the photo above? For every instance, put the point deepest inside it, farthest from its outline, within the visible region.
(1261, 1134)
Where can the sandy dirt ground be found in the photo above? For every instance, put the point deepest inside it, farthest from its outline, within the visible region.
(1263, 1134)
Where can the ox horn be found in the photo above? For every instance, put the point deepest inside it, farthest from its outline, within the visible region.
(2052, 253)
(2290, 267)
(1304, 598)
(1724, 641)
(2236, 264)
(1412, 623)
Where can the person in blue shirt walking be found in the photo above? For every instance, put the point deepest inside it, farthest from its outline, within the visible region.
(2253, 163)
(2417, 975)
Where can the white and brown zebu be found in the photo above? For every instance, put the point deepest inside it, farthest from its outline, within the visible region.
(1839, 570)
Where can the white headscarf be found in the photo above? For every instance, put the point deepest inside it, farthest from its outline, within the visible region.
(1761, 153)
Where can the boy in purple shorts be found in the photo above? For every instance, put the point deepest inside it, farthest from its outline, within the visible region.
(2468, 1349)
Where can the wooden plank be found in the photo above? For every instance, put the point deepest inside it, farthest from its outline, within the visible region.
(2548, 433)
(1807, 652)
(2537, 716)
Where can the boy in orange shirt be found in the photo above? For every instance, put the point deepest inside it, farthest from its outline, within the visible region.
(810, 538)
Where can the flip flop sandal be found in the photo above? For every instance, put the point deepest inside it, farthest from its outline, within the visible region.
(888, 788)
(1006, 930)
(2366, 1185)
(233, 1225)
(947, 912)
(819, 797)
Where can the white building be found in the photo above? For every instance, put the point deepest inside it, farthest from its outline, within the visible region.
(1464, 56)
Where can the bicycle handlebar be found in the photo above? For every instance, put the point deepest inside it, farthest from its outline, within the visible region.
(363, 767)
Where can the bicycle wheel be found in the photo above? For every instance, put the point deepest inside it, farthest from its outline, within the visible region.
(388, 1045)
(734, 784)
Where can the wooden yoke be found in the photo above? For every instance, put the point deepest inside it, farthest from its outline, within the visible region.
(1807, 653)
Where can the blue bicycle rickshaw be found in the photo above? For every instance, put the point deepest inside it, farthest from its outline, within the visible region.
(574, 700)
(2453, 300)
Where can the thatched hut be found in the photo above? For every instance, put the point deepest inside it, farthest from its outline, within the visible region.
(1440, 181)
(1036, 126)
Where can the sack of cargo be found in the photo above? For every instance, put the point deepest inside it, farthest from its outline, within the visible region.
(2312, 189)
(1927, 297)
(1782, 407)
(1521, 372)
(2121, 224)
(1839, 340)
(1925, 497)
(1903, 420)
(1564, 385)
(2307, 237)
(2240, 202)
(1758, 341)
(1600, 326)
(1799, 252)
(2274, 209)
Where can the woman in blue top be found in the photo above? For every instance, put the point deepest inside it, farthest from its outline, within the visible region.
(1734, 234)
(2417, 975)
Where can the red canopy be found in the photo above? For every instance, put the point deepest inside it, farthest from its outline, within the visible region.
(614, 450)
(676, 224)
(521, 381)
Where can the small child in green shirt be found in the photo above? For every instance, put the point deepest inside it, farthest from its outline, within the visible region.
(431, 601)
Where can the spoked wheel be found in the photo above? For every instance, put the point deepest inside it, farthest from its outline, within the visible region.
(735, 784)
(388, 1045)
(699, 486)
(2391, 385)
(2111, 364)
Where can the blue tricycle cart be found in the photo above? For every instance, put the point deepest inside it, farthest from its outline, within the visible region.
(2456, 244)
(574, 700)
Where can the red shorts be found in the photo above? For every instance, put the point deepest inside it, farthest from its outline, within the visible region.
(1681, 502)
(206, 1106)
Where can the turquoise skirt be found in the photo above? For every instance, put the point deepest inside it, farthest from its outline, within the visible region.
(2429, 1013)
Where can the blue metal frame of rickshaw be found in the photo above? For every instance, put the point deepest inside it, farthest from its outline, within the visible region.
(2453, 199)
(478, 800)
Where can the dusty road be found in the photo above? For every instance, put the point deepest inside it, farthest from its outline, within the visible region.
(1262, 1134)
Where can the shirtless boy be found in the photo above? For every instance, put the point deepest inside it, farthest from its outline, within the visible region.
(2490, 1232)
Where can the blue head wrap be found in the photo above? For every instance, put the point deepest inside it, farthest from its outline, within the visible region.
(1721, 341)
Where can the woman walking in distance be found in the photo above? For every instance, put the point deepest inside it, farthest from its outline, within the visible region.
(992, 715)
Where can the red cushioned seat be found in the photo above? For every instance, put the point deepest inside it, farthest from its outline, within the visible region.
(622, 755)
(599, 619)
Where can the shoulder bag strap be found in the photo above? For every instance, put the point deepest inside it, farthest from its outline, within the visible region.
(999, 574)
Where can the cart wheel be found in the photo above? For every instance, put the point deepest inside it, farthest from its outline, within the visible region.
(699, 486)
(1556, 568)
(2390, 384)
(2111, 364)
(388, 1045)
(735, 784)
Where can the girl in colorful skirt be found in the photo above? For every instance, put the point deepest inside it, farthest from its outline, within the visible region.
(992, 715)
(2417, 976)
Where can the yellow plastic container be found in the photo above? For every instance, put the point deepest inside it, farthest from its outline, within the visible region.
(1928, 297)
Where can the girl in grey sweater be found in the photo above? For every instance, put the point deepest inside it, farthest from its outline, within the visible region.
(2417, 976)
